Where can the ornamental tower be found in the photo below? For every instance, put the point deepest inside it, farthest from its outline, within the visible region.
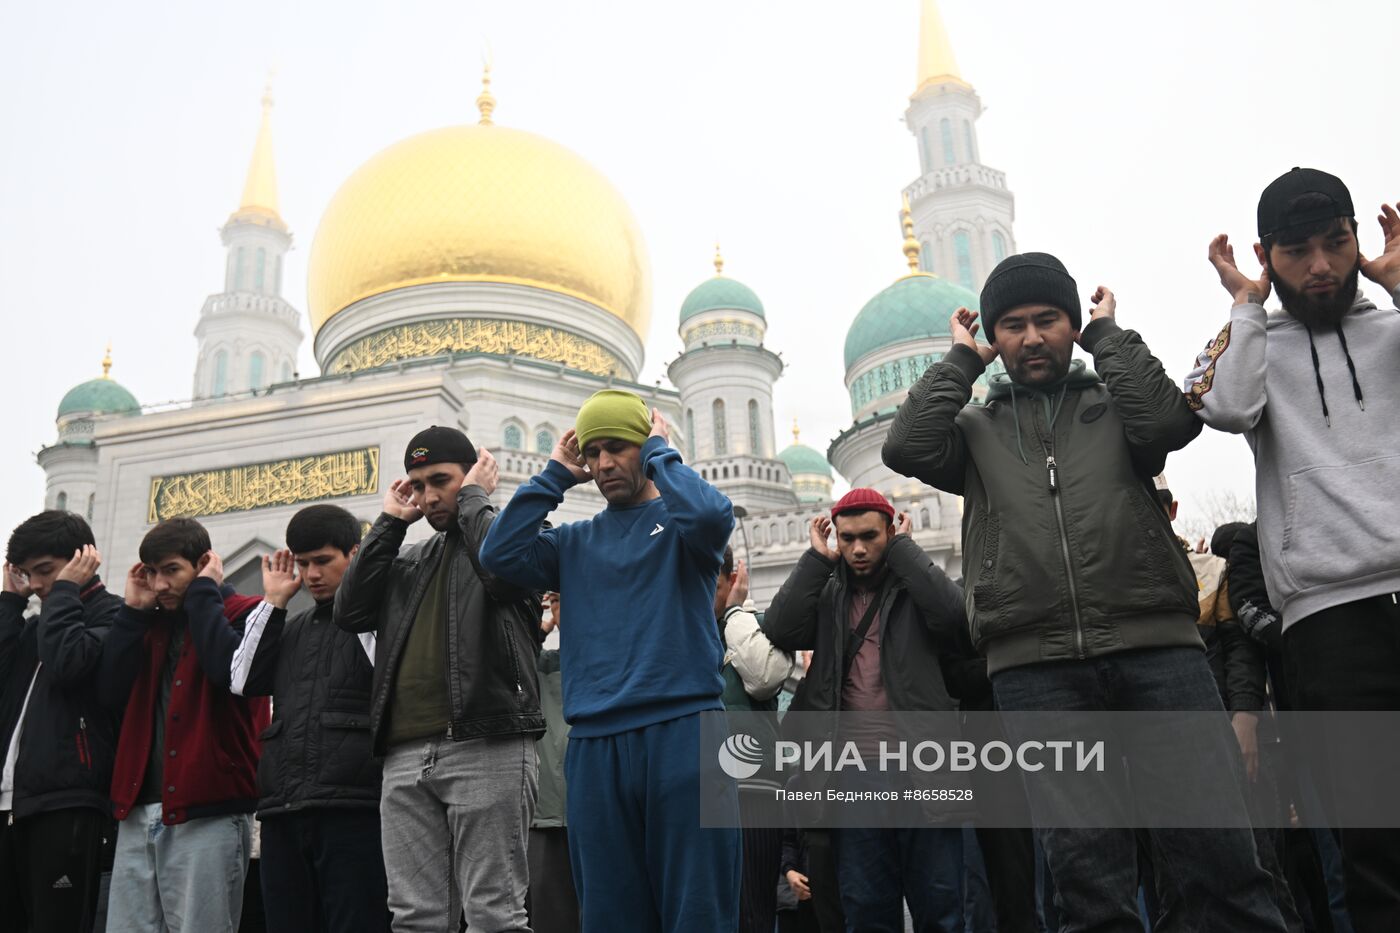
(962, 209)
(248, 334)
(725, 377)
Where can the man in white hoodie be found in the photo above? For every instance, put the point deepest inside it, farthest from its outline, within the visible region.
(1314, 389)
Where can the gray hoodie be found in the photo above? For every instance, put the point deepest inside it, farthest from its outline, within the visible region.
(1321, 411)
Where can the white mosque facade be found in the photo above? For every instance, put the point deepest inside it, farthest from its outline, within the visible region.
(486, 277)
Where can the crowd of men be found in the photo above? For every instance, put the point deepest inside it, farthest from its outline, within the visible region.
(416, 762)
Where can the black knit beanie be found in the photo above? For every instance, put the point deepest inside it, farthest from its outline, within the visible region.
(1028, 278)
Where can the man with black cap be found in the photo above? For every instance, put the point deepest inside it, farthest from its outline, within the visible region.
(454, 706)
(1076, 591)
(1313, 388)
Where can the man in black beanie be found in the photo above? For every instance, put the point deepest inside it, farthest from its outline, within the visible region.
(1076, 590)
(454, 706)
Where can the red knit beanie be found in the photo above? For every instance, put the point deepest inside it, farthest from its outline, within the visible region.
(863, 500)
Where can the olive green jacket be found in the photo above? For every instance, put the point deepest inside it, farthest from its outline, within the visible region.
(1066, 553)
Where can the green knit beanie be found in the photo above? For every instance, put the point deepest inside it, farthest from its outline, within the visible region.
(613, 413)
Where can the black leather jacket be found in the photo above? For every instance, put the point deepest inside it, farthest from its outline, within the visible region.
(493, 626)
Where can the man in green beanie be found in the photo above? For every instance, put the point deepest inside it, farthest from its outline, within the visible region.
(640, 661)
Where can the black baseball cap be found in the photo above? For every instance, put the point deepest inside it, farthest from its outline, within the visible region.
(1275, 204)
(437, 444)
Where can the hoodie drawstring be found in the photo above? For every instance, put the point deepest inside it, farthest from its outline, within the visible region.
(1317, 372)
(1351, 368)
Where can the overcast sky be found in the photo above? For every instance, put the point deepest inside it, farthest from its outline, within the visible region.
(1130, 133)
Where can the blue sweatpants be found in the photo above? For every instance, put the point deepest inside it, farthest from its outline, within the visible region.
(642, 863)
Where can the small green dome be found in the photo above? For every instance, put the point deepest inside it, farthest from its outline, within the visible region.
(101, 396)
(720, 294)
(917, 306)
(802, 459)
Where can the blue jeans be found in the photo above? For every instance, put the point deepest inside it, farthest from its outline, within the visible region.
(183, 878)
(878, 870)
(1211, 878)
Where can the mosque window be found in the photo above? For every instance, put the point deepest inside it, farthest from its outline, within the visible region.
(962, 249)
(238, 269)
(286, 371)
(220, 373)
(946, 128)
(721, 445)
(260, 271)
(255, 370)
(277, 276)
(690, 434)
(967, 136)
(724, 472)
(61, 503)
(544, 442)
(92, 501)
(925, 256)
(925, 151)
(998, 246)
(513, 439)
(753, 428)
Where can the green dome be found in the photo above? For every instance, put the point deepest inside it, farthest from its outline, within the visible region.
(802, 459)
(101, 395)
(917, 306)
(720, 294)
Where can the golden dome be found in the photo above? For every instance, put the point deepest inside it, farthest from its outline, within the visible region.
(480, 203)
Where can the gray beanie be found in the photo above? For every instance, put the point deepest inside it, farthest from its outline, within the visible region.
(1028, 278)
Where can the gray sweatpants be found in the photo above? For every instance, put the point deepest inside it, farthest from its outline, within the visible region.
(455, 818)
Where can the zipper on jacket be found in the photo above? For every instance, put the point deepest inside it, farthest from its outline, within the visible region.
(514, 660)
(84, 753)
(1052, 471)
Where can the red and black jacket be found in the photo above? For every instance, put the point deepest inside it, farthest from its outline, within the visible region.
(211, 736)
(68, 739)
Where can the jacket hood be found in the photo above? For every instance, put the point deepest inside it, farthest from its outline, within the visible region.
(1002, 386)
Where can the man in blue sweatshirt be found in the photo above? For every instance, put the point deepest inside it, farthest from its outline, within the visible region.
(640, 662)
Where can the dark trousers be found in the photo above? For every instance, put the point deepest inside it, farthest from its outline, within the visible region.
(1347, 658)
(50, 868)
(551, 901)
(879, 869)
(1215, 871)
(1009, 857)
(802, 919)
(641, 859)
(762, 854)
(322, 871)
(823, 880)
